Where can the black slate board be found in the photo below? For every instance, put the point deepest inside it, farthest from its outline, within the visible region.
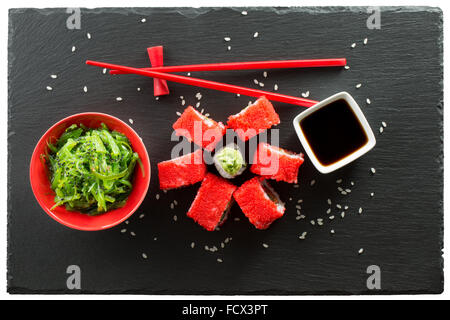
(401, 228)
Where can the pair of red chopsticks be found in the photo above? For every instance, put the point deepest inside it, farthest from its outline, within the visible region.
(161, 73)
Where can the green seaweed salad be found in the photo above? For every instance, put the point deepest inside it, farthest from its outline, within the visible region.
(91, 170)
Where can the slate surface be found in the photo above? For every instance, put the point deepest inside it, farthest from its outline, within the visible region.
(401, 228)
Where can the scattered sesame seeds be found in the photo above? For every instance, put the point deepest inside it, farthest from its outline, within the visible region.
(358, 86)
(53, 76)
(331, 217)
(74, 48)
(320, 221)
(365, 41)
(303, 235)
(353, 45)
(340, 189)
(144, 256)
(85, 89)
(49, 88)
(360, 210)
(360, 251)
(275, 87)
(313, 222)
(255, 35)
(305, 94)
(143, 20)
(368, 101)
(244, 13)
(373, 170)
(88, 35)
(227, 39)
(119, 99)
(192, 245)
(265, 245)
(338, 206)
(131, 121)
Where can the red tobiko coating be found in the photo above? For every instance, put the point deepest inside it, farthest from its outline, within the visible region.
(211, 201)
(255, 118)
(182, 171)
(276, 163)
(257, 204)
(196, 127)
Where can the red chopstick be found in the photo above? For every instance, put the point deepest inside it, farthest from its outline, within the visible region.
(208, 84)
(336, 62)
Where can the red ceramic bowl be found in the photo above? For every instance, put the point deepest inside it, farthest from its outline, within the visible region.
(40, 182)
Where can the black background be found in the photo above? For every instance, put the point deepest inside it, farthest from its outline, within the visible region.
(400, 229)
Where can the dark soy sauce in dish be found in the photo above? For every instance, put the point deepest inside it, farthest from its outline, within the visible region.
(333, 132)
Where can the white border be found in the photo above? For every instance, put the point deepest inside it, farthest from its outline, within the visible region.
(444, 5)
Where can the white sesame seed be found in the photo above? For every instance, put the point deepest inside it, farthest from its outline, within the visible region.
(138, 89)
(88, 35)
(244, 13)
(296, 186)
(226, 240)
(328, 210)
(219, 260)
(123, 230)
(227, 39)
(206, 248)
(171, 205)
(188, 74)
(178, 113)
(299, 200)
(331, 217)
(368, 101)
(104, 70)
(175, 218)
(157, 196)
(313, 182)
(365, 41)
(141, 216)
(119, 99)
(156, 98)
(198, 105)
(85, 89)
(346, 208)
(201, 111)
(74, 48)
(384, 124)
(133, 234)
(320, 221)
(372, 194)
(155, 238)
(352, 183)
(305, 94)
(206, 114)
(237, 219)
(143, 20)
(338, 206)
(192, 245)
(312, 222)
(229, 48)
(302, 216)
(255, 81)
(238, 95)
(255, 35)
(261, 84)
(342, 214)
(360, 210)
(332, 231)
(346, 67)
(303, 235)
(340, 189)
(49, 88)
(265, 74)
(127, 222)
(144, 256)
(275, 87)
(348, 190)
(329, 201)
(381, 129)
(53, 76)
(360, 251)
(358, 85)
(298, 206)
(338, 181)
(353, 45)
(222, 245)
(297, 218)
(131, 121)
(344, 193)
(183, 102)
(265, 245)
(373, 170)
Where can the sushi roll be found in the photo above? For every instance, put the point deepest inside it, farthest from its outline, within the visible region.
(275, 163)
(259, 202)
(229, 161)
(199, 129)
(182, 171)
(254, 119)
(212, 203)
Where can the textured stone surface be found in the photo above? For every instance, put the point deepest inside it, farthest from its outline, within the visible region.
(401, 228)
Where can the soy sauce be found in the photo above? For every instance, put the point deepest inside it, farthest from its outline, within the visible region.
(333, 132)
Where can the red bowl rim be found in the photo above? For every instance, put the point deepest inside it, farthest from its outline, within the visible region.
(70, 225)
